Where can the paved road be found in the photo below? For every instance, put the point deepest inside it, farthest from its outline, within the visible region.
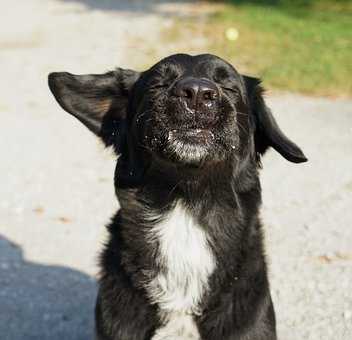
(57, 192)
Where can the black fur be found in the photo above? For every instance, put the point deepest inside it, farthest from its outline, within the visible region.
(138, 114)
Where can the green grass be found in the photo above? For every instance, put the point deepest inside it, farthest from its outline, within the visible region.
(306, 49)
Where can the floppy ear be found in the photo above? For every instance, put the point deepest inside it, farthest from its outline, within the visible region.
(99, 101)
(267, 132)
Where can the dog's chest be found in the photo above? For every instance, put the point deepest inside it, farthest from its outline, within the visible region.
(187, 261)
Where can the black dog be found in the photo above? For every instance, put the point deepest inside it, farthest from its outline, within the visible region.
(185, 257)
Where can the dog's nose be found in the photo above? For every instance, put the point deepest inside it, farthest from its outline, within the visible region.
(196, 92)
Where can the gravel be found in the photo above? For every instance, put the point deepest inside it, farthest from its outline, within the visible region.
(57, 190)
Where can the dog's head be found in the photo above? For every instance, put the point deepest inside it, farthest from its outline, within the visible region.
(186, 111)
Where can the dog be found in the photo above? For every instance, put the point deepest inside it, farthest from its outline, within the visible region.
(185, 257)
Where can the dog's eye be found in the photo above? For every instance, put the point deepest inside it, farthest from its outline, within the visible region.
(159, 86)
(231, 90)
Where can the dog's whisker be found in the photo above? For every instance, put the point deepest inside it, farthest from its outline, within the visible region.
(174, 187)
(242, 128)
(241, 113)
(139, 116)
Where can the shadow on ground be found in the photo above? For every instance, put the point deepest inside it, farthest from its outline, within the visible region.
(43, 302)
(146, 6)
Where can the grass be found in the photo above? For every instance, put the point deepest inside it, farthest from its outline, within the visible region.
(306, 49)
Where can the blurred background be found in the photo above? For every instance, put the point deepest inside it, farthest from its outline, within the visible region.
(56, 178)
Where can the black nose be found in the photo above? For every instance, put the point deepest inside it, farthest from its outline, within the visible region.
(196, 92)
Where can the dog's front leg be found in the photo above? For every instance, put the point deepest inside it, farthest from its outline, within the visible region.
(123, 313)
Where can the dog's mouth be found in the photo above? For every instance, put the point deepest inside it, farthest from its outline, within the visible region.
(189, 136)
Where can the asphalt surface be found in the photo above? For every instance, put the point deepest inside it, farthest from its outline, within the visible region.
(57, 191)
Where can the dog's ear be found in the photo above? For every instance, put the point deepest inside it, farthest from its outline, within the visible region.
(267, 131)
(99, 101)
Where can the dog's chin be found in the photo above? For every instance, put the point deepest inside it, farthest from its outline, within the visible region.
(188, 154)
(189, 147)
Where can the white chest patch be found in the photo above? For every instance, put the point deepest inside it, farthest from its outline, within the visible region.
(178, 326)
(185, 254)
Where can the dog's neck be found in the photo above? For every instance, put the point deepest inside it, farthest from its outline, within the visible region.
(214, 187)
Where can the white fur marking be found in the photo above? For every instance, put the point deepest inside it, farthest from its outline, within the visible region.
(187, 257)
(179, 326)
(187, 152)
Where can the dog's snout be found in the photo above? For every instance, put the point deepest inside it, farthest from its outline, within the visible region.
(196, 92)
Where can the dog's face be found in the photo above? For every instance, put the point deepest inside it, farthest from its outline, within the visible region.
(186, 110)
(191, 110)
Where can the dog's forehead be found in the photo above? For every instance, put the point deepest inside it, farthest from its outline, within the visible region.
(198, 65)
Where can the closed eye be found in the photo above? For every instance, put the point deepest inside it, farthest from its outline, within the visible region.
(226, 88)
(159, 86)
(230, 89)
